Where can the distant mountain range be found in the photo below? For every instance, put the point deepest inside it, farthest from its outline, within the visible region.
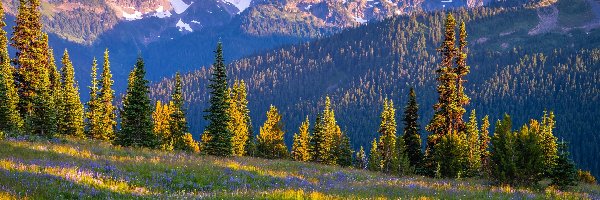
(179, 35)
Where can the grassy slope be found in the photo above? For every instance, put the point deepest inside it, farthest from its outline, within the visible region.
(70, 168)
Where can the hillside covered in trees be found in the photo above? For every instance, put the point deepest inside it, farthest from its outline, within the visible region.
(516, 68)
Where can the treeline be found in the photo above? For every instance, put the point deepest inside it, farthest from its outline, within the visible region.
(511, 73)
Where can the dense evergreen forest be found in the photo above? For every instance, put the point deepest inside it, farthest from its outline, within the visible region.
(511, 72)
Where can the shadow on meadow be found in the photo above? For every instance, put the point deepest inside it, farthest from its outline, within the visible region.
(91, 170)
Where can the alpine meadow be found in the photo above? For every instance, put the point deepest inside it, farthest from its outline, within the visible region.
(299, 99)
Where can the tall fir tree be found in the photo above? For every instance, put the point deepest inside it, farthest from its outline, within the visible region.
(93, 112)
(484, 145)
(218, 139)
(474, 148)
(447, 123)
(548, 141)
(106, 99)
(10, 119)
(240, 117)
(71, 113)
(326, 136)
(32, 75)
(270, 139)
(178, 127)
(564, 174)
(411, 136)
(387, 138)
(161, 118)
(136, 116)
(300, 147)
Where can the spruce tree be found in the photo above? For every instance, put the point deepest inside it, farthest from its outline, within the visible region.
(473, 144)
(270, 143)
(219, 136)
(360, 161)
(447, 121)
(162, 120)
(10, 119)
(300, 147)
(344, 152)
(240, 117)
(564, 174)
(136, 116)
(387, 131)
(178, 127)
(412, 137)
(71, 113)
(326, 136)
(400, 161)
(548, 141)
(503, 152)
(375, 162)
(484, 145)
(93, 111)
(106, 98)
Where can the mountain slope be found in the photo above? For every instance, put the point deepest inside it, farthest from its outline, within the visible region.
(75, 169)
(512, 71)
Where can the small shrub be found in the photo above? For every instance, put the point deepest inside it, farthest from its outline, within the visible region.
(2, 135)
(586, 177)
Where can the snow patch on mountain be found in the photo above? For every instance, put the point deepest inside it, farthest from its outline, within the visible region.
(183, 26)
(161, 13)
(179, 6)
(130, 17)
(241, 5)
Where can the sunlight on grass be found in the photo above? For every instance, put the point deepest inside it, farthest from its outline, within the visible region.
(75, 175)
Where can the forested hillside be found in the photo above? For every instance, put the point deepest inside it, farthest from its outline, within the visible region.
(520, 64)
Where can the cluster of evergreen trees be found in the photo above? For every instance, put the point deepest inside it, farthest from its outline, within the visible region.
(38, 99)
(35, 98)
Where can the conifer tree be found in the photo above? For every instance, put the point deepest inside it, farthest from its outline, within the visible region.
(71, 113)
(136, 116)
(564, 174)
(300, 147)
(448, 121)
(474, 147)
(503, 152)
(10, 119)
(360, 161)
(178, 127)
(219, 136)
(548, 141)
(387, 131)
(484, 145)
(375, 162)
(240, 118)
(400, 160)
(326, 136)
(344, 151)
(162, 118)
(93, 112)
(106, 98)
(270, 139)
(32, 75)
(412, 137)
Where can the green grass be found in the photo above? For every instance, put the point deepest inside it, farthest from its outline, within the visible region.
(77, 169)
